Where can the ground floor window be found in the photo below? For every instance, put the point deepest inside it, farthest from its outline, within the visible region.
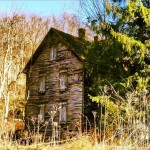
(41, 114)
(62, 112)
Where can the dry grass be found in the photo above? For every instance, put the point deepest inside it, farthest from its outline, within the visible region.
(81, 143)
(128, 130)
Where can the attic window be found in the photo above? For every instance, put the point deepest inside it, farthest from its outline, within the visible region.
(63, 81)
(41, 114)
(53, 53)
(42, 84)
(62, 112)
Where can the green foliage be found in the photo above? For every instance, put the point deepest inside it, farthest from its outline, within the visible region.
(113, 111)
(135, 107)
(122, 59)
(105, 101)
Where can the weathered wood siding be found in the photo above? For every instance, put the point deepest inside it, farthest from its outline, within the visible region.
(66, 62)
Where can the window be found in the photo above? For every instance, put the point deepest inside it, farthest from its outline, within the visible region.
(42, 84)
(41, 114)
(53, 53)
(62, 112)
(63, 81)
(28, 94)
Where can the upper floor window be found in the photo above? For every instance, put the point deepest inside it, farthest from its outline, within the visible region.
(63, 81)
(42, 84)
(53, 53)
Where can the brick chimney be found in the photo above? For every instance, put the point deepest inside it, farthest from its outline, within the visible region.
(81, 33)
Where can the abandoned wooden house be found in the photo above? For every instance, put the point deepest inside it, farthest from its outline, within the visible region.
(55, 80)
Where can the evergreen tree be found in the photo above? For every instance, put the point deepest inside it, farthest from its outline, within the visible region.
(122, 58)
(118, 65)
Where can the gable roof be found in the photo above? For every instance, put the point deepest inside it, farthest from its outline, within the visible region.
(76, 45)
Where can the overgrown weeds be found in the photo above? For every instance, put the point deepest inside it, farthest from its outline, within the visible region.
(80, 143)
(119, 126)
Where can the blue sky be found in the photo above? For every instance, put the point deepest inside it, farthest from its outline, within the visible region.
(39, 7)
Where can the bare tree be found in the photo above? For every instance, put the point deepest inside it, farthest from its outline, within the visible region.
(19, 38)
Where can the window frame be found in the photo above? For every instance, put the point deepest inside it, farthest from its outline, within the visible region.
(53, 53)
(63, 113)
(63, 80)
(42, 84)
(41, 115)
